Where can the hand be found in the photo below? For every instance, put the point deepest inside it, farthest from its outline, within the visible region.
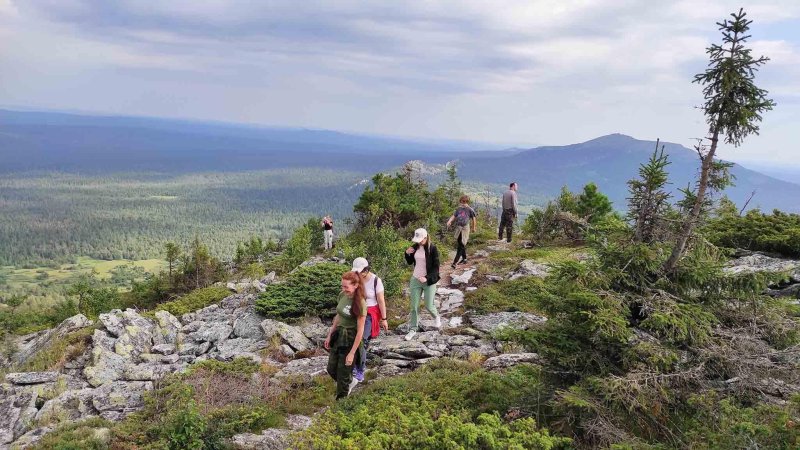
(410, 250)
(327, 343)
(385, 325)
(423, 279)
(348, 361)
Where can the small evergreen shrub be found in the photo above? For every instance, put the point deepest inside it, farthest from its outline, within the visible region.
(306, 291)
(194, 300)
(522, 294)
(778, 232)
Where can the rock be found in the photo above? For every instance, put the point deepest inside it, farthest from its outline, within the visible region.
(455, 321)
(509, 360)
(240, 348)
(758, 262)
(249, 326)
(489, 323)
(18, 411)
(459, 339)
(269, 439)
(792, 291)
(390, 370)
(112, 321)
(30, 438)
(306, 368)
(150, 357)
(287, 351)
(213, 332)
(214, 314)
(170, 359)
(269, 278)
(193, 348)
(471, 289)
(101, 339)
(233, 302)
(292, 336)
(30, 344)
(396, 344)
(192, 326)
(398, 362)
(106, 366)
(450, 299)
(164, 349)
(314, 329)
(31, 377)
(481, 254)
(494, 278)
(168, 327)
(463, 278)
(528, 268)
(149, 371)
(121, 396)
(68, 406)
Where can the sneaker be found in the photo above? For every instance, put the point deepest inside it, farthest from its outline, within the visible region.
(453, 266)
(438, 322)
(358, 375)
(411, 335)
(353, 384)
(463, 261)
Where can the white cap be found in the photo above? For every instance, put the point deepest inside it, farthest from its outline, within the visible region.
(419, 235)
(359, 264)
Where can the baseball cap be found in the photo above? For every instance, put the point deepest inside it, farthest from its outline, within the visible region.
(419, 235)
(359, 264)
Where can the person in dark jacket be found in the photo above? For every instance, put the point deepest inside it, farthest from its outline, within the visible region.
(425, 258)
(509, 215)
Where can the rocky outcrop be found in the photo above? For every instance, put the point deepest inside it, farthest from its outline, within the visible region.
(272, 438)
(28, 345)
(754, 262)
(530, 268)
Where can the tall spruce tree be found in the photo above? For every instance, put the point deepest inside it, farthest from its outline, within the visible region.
(648, 201)
(733, 108)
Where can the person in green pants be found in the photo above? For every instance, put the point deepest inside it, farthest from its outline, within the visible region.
(344, 337)
(425, 258)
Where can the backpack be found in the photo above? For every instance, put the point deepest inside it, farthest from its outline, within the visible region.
(462, 217)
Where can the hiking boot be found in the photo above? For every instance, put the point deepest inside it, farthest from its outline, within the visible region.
(411, 335)
(353, 384)
(438, 322)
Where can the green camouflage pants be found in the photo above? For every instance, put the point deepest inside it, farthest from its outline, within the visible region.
(341, 343)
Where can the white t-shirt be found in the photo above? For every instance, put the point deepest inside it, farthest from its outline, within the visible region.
(372, 293)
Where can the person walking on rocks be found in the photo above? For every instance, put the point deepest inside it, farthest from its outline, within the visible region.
(327, 231)
(509, 212)
(425, 258)
(376, 311)
(465, 219)
(344, 337)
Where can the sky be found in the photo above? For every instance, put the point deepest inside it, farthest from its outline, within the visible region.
(521, 73)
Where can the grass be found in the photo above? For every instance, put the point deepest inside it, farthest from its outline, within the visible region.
(523, 294)
(58, 353)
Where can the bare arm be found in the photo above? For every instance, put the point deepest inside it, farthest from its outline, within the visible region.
(450, 221)
(382, 308)
(474, 224)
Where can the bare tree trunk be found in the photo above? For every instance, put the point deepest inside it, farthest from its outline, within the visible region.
(688, 225)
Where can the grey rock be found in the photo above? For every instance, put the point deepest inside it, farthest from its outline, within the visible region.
(168, 327)
(213, 332)
(758, 262)
(30, 438)
(489, 323)
(396, 344)
(112, 321)
(29, 345)
(269, 278)
(121, 396)
(398, 362)
(193, 326)
(291, 335)
(164, 349)
(455, 321)
(450, 299)
(471, 289)
(314, 329)
(18, 408)
(150, 357)
(249, 326)
(306, 368)
(463, 278)
(240, 348)
(494, 278)
(103, 340)
(530, 268)
(237, 301)
(269, 439)
(460, 339)
(510, 359)
(287, 351)
(170, 359)
(31, 377)
(391, 370)
(149, 371)
(68, 406)
(106, 366)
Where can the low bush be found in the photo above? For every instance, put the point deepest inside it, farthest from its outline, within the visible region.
(194, 300)
(384, 248)
(522, 294)
(307, 290)
(778, 232)
(89, 434)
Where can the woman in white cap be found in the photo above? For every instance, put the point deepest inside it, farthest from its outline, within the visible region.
(425, 258)
(376, 312)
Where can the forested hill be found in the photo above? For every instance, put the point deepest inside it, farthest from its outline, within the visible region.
(609, 161)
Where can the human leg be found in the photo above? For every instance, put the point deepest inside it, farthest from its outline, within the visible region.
(429, 293)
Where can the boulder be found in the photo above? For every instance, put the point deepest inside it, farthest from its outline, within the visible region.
(464, 278)
(510, 359)
(272, 438)
(102, 339)
(490, 323)
(168, 327)
(121, 396)
(249, 326)
(193, 348)
(212, 332)
(29, 345)
(291, 335)
(530, 268)
(758, 262)
(314, 329)
(164, 349)
(396, 344)
(152, 371)
(269, 278)
(30, 438)
(68, 406)
(106, 366)
(240, 348)
(31, 377)
(18, 411)
(112, 321)
(305, 369)
(450, 299)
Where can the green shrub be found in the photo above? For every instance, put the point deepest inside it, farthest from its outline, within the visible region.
(82, 435)
(522, 294)
(297, 249)
(186, 429)
(194, 300)
(384, 248)
(307, 290)
(679, 323)
(778, 232)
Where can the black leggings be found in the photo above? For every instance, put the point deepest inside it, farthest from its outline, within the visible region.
(461, 251)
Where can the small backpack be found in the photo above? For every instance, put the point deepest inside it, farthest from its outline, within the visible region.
(462, 217)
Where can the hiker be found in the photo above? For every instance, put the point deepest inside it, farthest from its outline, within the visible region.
(465, 218)
(509, 212)
(327, 231)
(344, 338)
(376, 312)
(425, 258)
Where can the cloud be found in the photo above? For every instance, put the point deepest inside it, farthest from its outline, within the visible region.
(522, 71)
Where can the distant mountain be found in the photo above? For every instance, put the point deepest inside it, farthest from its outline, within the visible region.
(610, 161)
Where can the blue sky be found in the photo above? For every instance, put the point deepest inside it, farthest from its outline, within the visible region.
(526, 73)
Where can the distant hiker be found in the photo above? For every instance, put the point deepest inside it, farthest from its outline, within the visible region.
(327, 231)
(344, 338)
(509, 212)
(376, 311)
(425, 258)
(465, 219)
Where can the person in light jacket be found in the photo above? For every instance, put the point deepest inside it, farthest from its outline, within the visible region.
(424, 256)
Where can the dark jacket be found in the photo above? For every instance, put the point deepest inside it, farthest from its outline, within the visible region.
(431, 261)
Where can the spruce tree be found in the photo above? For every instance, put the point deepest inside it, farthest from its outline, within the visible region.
(733, 108)
(648, 201)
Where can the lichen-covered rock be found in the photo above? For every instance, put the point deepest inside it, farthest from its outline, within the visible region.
(193, 348)
(463, 278)
(168, 327)
(112, 321)
(120, 396)
(272, 438)
(450, 299)
(306, 368)
(164, 349)
(240, 348)
(291, 335)
(18, 409)
(150, 371)
(28, 345)
(530, 268)
(314, 329)
(106, 366)
(212, 332)
(248, 326)
(758, 262)
(30, 438)
(31, 377)
(68, 406)
(489, 323)
(510, 359)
